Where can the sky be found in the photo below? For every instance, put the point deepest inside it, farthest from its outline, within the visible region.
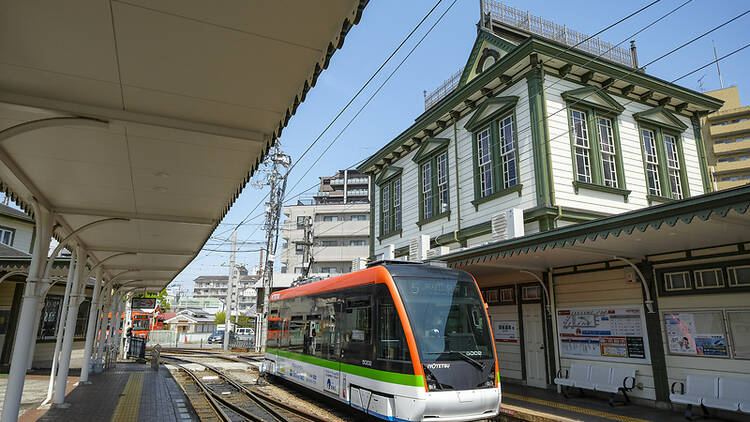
(385, 23)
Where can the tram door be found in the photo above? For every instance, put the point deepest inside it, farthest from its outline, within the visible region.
(533, 342)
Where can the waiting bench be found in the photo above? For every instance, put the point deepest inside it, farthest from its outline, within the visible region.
(725, 393)
(608, 379)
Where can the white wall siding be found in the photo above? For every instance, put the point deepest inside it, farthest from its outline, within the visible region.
(508, 353)
(469, 216)
(23, 233)
(635, 180)
(602, 288)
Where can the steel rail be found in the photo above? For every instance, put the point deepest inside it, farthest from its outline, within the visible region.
(262, 400)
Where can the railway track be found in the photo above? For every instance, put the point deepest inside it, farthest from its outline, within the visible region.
(218, 397)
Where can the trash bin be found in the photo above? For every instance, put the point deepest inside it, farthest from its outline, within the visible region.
(137, 347)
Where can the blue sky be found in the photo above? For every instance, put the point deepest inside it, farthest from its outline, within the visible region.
(445, 50)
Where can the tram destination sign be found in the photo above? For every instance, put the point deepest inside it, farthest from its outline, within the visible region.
(143, 303)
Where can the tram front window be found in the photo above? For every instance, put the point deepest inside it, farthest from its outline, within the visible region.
(451, 330)
(140, 324)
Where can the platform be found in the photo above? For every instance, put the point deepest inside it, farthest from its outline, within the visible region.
(130, 392)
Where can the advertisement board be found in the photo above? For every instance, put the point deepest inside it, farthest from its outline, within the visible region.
(609, 333)
(696, 334)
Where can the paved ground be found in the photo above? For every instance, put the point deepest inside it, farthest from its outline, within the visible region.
(551, 406)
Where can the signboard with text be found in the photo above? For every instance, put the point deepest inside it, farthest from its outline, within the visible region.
(616, 333)
(143, 303)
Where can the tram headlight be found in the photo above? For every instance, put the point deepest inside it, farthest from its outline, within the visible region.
(490, 382)
(432, 383)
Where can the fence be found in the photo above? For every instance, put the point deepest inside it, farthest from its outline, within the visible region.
(548, 29)
(443, 90)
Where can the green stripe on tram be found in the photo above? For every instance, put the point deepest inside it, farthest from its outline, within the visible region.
(385, 376)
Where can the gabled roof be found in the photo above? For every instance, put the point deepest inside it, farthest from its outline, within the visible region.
(12, 212)
(487, 46)
(11, 252)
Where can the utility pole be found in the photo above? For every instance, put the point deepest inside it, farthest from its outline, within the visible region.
(307, 244)
(228, 313)
(277, 181)
(716, 57)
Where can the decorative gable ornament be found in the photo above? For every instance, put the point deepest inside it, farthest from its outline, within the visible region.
(429, 147)
(490, 110)
(662, 117)
(593, 97)
(488, 49)
(387, 174)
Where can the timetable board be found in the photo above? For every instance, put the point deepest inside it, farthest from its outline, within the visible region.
(613, 333)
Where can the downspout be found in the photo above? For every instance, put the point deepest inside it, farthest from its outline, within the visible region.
(559, 214)
(458, 187)
(553, 306)
(649, 303)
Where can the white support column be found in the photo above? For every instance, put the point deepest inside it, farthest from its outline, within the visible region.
(25, 330)
(37, 319)
(115, 338)
(70, 328)
(60, 328)
(91, 328)
(106, 296)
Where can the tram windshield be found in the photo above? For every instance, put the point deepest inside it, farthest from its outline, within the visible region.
(447, 318)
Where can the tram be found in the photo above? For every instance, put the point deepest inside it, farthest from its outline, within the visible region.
(141, 323)
(399, 341)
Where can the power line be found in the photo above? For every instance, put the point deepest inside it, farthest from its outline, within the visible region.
(711, 62)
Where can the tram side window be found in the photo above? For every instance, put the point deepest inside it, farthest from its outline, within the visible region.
(357, 330)
(296, 333)
(392, 341)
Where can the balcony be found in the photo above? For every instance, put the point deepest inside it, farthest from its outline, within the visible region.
(339, 253)
(358, 181)
(337, 181)
(341, 228)
(357, 192)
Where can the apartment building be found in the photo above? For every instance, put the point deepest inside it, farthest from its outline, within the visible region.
(215, 286)
(345, 187)
(727, 134)
(330, 231)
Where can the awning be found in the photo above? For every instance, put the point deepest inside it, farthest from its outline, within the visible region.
(710, 220)
(151, 116)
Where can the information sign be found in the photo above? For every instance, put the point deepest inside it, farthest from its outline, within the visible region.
(603, 333)
(505, 331)
(143, 303)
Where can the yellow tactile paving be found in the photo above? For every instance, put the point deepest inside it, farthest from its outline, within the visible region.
(576, 409)
(130, 402)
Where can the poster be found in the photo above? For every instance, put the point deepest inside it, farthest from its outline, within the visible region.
(684, 336)
(505, 331)
(603, 333)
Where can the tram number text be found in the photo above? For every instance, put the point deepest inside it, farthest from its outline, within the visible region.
(366, 363)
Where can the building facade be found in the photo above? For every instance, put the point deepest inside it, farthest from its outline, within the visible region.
(575, 189)
(336, 235)
(727, 134)
(557, 134)
(244, 291)
(345, 187)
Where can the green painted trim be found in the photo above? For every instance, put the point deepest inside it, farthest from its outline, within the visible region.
(657, 199)
(647, 118)
(581, 95)
(539, 134)
(425, 152)
(700, 146)
(551, 48)
(430, 157)
(718, 203)
(440, 216)
(499, 194)
(601, 188)
(683, 170)
(504, 105)
(390, 182)
(385, 376)
(387, 174)
(391, 234)
(503, 46)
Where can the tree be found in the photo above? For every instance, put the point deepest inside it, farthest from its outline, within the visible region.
(219, 318)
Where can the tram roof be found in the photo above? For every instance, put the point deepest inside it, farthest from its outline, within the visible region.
(153, 114)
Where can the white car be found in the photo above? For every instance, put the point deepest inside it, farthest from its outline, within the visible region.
(245, 334)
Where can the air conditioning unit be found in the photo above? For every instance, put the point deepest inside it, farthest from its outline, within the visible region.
(507, 225)
(436, 252)
(359, 264)
(418, 247)
(390, 252)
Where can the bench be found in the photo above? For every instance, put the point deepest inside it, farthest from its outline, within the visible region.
(724, 393)
(608, 379)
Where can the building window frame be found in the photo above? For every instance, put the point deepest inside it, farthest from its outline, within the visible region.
(593, 106)
(433, 164)
(8, 232)
(727, 284)
(663, 124)
(487, 121)
(390, 209)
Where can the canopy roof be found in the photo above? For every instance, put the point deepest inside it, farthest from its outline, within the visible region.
(705, 221)
(156, 114)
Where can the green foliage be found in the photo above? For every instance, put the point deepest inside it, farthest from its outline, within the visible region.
(246, 321)
(219, 317)
(161, 299)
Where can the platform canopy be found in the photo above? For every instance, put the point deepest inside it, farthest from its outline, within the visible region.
(151, 115)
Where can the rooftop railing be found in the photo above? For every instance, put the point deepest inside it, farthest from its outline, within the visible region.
(443, 90)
